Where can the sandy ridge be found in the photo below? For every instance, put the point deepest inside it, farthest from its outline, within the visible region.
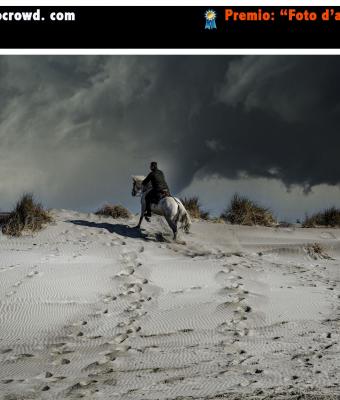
(91, 309)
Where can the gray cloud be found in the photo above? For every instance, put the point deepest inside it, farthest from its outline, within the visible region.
(74, 128)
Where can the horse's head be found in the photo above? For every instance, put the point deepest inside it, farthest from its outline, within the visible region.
(137, 188)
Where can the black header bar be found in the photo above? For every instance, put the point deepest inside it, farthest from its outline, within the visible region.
(169, 27)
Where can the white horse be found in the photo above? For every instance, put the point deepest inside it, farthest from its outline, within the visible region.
(170, 207)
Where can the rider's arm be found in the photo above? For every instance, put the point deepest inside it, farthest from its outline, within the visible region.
(147, 179)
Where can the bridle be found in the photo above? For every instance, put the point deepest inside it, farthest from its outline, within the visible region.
(135, 193)
(139, 192)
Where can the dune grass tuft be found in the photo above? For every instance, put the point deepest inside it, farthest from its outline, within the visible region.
(194, 208)
(329, 217)
(28, 215)
(243, 211)
(3, 218)
(289, 394)
(114, 211)
(316, 250)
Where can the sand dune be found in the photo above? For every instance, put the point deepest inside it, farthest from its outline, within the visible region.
(91, 308)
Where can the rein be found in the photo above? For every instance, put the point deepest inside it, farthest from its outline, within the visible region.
(143, 190)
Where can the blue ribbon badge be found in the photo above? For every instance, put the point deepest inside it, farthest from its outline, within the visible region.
(210, 17)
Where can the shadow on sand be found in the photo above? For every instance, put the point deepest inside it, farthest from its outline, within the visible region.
(119, 229)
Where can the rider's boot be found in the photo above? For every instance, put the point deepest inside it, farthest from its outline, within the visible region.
(147, 214)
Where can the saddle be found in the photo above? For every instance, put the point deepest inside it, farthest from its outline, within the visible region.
(155, 200)
(160, 195)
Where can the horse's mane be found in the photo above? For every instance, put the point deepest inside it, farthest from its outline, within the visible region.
(138, 178)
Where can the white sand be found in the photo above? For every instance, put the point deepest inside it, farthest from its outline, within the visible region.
(89, 308)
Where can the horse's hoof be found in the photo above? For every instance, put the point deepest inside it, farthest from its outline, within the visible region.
(136, 227)
(147, 219)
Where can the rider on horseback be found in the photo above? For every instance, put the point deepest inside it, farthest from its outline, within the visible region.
(159, 187)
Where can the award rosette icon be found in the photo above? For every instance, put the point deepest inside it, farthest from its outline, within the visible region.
(210, 19)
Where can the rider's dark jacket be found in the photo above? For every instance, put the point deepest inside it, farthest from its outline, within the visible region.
(157, 181)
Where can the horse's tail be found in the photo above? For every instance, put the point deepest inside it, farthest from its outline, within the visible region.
(183, 217)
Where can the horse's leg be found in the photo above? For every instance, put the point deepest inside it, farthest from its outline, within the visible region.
(172, 225)
(140, 221)
(141, 216)
(174, 230)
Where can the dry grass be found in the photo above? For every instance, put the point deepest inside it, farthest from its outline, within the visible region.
(217, 220)
(28, 215)
(3, 217)
(243, 211)
(317, 251)
(114, 211)
(288, 394)
(329, 217)
(194, 208)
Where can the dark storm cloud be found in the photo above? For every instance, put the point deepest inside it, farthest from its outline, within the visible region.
(73, 129)
(291, 107)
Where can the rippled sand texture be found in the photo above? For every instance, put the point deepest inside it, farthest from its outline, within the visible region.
(90, 308)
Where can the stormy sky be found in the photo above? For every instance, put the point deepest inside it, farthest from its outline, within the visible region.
(73, 129)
